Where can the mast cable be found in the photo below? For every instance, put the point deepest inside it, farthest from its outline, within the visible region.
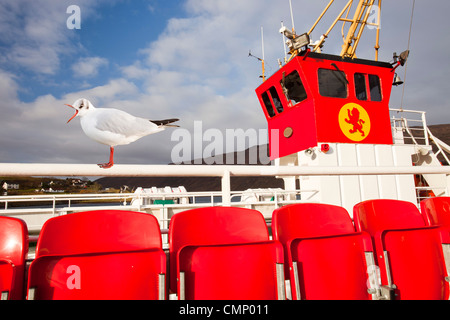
(409, 44)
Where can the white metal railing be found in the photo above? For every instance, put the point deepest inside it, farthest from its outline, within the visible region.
(413, 122)
(75, 170)
(63, 203)
(441, 146)
(56, 199)
(223, 171)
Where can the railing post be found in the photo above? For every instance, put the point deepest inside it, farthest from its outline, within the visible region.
(226, 188)
(448, 185)
(425, 129)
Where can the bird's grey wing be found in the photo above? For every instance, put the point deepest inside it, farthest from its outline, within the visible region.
(120, 122)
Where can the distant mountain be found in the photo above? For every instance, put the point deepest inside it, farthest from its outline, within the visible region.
(246, 157)
(441, 131)
(256, 155)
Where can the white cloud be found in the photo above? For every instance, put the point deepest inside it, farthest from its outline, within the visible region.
(135, 71)
(89, 67)
(36, 33)
(198, 69)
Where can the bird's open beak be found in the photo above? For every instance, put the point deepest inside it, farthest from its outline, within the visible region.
(76, 112)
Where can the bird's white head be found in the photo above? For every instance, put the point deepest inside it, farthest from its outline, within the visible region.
(81, 106)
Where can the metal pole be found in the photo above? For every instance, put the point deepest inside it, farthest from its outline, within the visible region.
(226, 189)
(321, 16)
(322, 40)
(377, 42)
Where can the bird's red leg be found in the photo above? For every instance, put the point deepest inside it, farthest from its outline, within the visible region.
(111, 160)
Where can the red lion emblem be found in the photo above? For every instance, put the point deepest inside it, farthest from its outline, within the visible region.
(355, 121)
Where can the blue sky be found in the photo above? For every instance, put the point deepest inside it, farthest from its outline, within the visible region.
(186, 59)
(114, 34)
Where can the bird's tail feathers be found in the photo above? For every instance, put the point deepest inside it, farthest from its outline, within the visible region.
(165, 123)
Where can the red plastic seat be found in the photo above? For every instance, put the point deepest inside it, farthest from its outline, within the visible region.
(224, 253)
(327, 258)
(408, 252)
(106, 254)
(436, 211)
(13, 252)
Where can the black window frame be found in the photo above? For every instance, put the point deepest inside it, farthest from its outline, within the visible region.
(276, 99)
(293, 88)
(268, 104)
(332, 83)
(272, 102)
(360, 86)
(378, 96)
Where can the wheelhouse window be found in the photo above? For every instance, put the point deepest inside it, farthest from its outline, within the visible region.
(360, 86)
(266, 97)
(268, 104)
(276, 99)
(375, 88)
(332, 83)
(293, 88)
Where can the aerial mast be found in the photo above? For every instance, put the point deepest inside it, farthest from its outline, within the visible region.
(263, 56)
(357, 24)
(263, 75)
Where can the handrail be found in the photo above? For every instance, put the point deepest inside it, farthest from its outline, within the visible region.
(404, 121)
(223, 171)
(139, 196)
(427, 134)
(29, 169)
(440, 145)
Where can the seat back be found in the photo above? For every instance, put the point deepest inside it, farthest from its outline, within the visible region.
(134, 275)
(99, 232)
(210, 226)
(14, 250)
(408, 252)
(308, 220)
(319, 239)
(6, 279)
(305, 220)
(106, 254)
(377, 215)
(436, 211)
(248, 271)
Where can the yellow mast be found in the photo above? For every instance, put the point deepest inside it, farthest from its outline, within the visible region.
(357, 25)
(263, 64)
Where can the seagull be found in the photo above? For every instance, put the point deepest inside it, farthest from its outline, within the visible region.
(114, 127)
